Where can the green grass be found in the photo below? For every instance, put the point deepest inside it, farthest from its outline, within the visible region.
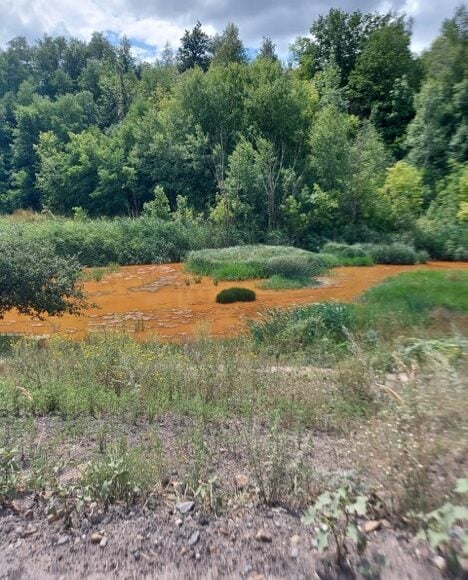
(278, 282)
(391, 307)
(368, 254)
(417, 293)
(254, 262)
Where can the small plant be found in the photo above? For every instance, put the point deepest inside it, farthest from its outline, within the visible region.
(230, 295)
(336, 516)
(437, 527)
(9, 470)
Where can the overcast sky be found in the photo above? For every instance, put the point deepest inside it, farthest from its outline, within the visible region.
(151, 23)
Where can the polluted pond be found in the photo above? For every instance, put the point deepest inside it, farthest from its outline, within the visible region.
(165, 302)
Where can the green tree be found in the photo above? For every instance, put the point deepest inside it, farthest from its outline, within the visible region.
(337, 38)
(403, 191)
(194, 49)
(36, 281)
(383, 82)
(227, 47)
(267, 49)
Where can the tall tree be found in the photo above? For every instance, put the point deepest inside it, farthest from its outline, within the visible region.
(228, 47)
(194, 49)
(267, 49)
(384, 79)
(338, 38)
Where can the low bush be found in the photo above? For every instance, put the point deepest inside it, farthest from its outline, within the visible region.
(344, 250)
(277, 282)
(392, 253)
(230, 295)
(368, 254)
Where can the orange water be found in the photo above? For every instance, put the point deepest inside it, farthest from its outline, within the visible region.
(156, 301)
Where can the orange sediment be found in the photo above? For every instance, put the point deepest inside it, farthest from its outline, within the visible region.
(163, 301)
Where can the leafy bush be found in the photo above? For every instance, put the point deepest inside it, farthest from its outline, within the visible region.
(36, 281)
(230, 295)
(392, 253)
(344, 250)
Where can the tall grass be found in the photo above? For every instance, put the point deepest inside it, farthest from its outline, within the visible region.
(244, 262)
(122, 240)
(368, 254)
(389, 307)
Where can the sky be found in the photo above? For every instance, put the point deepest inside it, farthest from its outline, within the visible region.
(149, 24)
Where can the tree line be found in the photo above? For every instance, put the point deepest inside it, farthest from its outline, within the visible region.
(357, 139)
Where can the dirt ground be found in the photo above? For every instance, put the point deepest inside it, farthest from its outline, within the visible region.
(158, 540)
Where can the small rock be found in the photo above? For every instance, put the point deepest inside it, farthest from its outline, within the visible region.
(96, 538)
(241, 481)
(29, 514)
(179, 522)
(263, 536)
(295, 540)
(294, 552)
(185, 507)
(136, 554)
(256, 576)
(194, 538)
(62, 540)
(439, 563)
(197, 556)
(371, 526)
(103, 542)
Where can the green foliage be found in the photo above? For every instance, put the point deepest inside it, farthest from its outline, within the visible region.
(244, 262)
(336, 514)
(121, 475)
(36, 281)
(9, 473)
(304, 325)
(437, 527)
(229, 295)
(404, 192)
(416, 293)
(392, 253)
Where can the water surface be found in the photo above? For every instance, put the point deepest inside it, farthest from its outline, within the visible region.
(164, 301)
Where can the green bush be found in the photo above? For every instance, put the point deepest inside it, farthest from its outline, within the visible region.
(344, 250)
(230, 295)
(392, 253)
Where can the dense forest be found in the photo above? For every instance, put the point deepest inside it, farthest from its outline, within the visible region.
(357, 139)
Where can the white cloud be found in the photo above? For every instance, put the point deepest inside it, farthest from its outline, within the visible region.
(155, 22)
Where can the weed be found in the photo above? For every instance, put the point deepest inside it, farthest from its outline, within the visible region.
(336, 514)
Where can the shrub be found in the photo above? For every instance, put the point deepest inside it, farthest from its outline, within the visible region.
(230, 295)
(392, 253)
(344, 250)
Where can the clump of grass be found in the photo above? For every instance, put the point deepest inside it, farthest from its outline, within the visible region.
(304, 325)
(414, 294)
(229, 295)
(369, 254)
(250, 262)
(278, 282)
